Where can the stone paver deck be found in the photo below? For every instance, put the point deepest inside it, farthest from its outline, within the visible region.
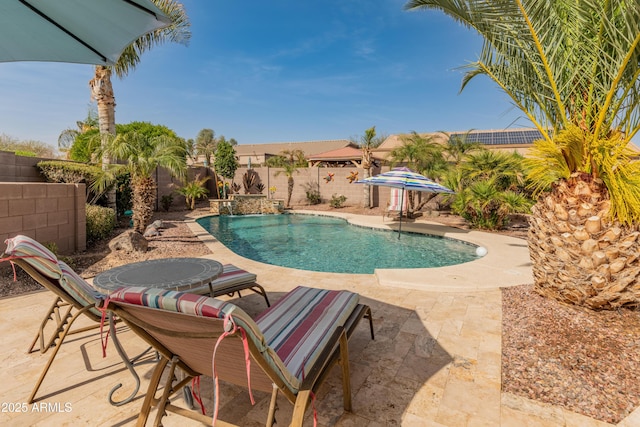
(435, 360)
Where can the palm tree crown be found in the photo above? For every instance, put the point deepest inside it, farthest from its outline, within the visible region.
(572, 68)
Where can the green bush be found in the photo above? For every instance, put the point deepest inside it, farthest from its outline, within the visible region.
(68, 172)
(337, 201)
(124, 193)
(312, 192)
(166, 201)
(100, 222)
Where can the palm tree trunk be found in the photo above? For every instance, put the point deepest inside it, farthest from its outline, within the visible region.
(144, 198)
(579, 256)
(366, 201)
(102, 93)
(289, 190)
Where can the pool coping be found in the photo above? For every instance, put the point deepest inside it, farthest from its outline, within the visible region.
(506, 263)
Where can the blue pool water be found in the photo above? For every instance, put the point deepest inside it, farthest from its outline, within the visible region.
(318, 243)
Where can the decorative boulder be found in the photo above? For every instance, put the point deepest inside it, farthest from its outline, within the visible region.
(130, 241)
(151, 231)
(157, 224)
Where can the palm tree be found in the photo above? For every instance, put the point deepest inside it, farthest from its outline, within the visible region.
(572, 68)
(367, 143)
(206, 144)
(423, 155)
(101, 87)
(458, 146)
(506, 169)
(290, 161)
(141, 155)
(490, 186)
(68, 136)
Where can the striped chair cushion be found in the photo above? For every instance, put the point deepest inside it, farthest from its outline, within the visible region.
(32, 252)
(179, 302)
(299, 325)
(231, 275)
(195, 305)
(79, 289)
(290, 335)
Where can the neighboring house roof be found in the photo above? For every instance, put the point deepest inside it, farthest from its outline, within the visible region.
(310, 148)
(344, 153)
(492, 139)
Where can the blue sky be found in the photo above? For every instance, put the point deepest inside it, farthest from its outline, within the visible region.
(279, 71)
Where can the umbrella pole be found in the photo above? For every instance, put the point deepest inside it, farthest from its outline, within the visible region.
(401, 209)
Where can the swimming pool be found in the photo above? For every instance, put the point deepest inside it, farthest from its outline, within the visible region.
(320, 243)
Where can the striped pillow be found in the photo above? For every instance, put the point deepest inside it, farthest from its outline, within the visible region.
(301, 323)
(32, 252)
(178, 302)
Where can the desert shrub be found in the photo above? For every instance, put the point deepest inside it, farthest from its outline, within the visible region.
(337, 200)
(166, 201)
(100, 222)
(312, 193)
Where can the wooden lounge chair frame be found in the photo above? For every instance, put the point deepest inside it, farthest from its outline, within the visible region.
(167, 332)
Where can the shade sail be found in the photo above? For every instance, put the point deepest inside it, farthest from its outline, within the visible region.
(76, 31)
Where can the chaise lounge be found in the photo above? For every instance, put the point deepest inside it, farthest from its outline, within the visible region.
(292, 345)
(75, 297)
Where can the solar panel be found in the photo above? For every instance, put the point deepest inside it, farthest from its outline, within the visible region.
(501, 137)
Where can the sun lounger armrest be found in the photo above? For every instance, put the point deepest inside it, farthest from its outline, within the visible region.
(327, 357)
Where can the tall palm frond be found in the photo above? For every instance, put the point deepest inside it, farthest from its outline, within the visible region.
(565, 63)
(177, 32)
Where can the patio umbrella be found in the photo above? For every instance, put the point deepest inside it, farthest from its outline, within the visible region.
(405, 179)
(77, 31)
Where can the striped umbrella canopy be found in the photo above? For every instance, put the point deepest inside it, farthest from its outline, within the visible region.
(406, 179)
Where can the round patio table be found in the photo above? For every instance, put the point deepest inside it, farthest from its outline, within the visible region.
(176, 274)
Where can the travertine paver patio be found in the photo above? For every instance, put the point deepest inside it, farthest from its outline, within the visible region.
(435, 360)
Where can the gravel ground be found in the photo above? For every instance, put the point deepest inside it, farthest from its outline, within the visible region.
(582, 360)
(585, 361)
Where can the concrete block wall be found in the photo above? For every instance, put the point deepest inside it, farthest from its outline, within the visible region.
(338, 184)
(46, 212)
(303, 178)
(19, 168)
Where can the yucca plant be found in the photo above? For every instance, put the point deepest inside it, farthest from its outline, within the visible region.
(573, 68)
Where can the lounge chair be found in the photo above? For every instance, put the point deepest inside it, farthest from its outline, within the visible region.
(292, 345)
(231, 281)
(74, 296)
(397, 203)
